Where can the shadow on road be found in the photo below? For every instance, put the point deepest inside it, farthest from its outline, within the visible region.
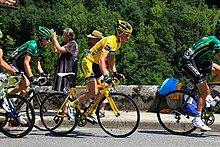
(76, 134)
(194, 134)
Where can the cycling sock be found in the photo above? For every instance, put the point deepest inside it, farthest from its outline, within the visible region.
(93, 112)
(198, 116)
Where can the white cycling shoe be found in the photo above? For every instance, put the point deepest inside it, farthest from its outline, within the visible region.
(93, 118)
(21, 119)
(5, 105)
(200, 124)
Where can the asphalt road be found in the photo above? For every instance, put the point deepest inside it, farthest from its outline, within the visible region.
(95, 137)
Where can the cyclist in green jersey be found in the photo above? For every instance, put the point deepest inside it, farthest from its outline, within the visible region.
(21, 57)
(196, 64)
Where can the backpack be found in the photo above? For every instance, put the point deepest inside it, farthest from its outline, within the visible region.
(190, 106)
(170, 84)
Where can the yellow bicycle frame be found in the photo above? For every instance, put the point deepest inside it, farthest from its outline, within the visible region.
(103, 92)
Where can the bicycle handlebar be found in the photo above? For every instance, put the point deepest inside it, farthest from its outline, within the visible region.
(115, 82)
(42, 81)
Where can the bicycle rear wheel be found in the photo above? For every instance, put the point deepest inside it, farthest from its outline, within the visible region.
(20, 121)
(170, 113)
(126, 123)
(58, 125)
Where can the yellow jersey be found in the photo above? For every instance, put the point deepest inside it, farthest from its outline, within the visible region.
(108, 44)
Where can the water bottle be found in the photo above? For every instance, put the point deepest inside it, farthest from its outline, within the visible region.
(215, 101)
(66, 90)
(213, 98)
(209, 100)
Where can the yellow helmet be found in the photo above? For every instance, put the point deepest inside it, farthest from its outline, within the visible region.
(123, 27)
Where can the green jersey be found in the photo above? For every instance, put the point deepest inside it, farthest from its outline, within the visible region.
(30, 48)
(203, 49)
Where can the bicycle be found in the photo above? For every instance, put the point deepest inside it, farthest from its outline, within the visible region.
(121, 118)
(35, 96)
(20, 119)
(171, 113)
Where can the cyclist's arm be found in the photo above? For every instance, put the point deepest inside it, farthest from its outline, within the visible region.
(102, 62)
(4, 64)
(111, 61)
(27, 66)
(38, 65)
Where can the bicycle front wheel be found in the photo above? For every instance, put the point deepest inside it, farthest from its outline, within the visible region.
(58, 124)
(171, 115)
(36, 101)
(126, 122)
(19, 121)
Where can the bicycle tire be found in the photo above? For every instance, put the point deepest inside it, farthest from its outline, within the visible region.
(37, 101)
(171, 115)
(128, 120)
(21, 107)
(57, 125)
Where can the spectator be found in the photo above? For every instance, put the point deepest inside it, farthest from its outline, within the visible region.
(94, 37)
(67, 61)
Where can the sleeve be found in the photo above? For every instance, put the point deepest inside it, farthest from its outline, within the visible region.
(107, 46)
(71, 47)
(217, 47)
(30, 49)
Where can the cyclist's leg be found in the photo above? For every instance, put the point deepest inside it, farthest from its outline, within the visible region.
(24, 83)
(216, 72)
(91, 83)
(99, 77)
(87, 67)
(199, 79)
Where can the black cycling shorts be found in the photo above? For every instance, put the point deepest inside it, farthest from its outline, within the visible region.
(197, 72)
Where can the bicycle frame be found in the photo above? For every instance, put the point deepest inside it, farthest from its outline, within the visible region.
(103, 92)
(216, 107)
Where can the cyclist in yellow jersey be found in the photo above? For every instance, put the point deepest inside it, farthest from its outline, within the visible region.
(102, 50)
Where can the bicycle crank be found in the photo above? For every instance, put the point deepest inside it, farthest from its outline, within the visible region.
(81, 121)
(209, 120)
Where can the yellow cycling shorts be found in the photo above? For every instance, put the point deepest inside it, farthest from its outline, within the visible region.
(87, 68)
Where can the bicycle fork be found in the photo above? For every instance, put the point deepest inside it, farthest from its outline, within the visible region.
(112, 104)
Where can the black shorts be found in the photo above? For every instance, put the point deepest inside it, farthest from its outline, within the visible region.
(197, 71)
(18, 66)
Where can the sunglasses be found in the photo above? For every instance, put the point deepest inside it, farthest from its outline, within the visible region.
(46, 38)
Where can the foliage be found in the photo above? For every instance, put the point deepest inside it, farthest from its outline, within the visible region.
(162, 31)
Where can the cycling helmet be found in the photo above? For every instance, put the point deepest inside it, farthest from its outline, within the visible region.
(44, 32)
(123, 27)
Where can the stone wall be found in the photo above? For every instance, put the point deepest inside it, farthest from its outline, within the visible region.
(143, 95)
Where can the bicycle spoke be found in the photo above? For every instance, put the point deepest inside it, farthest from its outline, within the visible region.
(128, 120)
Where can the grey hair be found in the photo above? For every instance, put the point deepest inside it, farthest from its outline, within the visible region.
(70, 33)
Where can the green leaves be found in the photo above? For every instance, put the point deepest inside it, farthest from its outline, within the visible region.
(162, 31)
